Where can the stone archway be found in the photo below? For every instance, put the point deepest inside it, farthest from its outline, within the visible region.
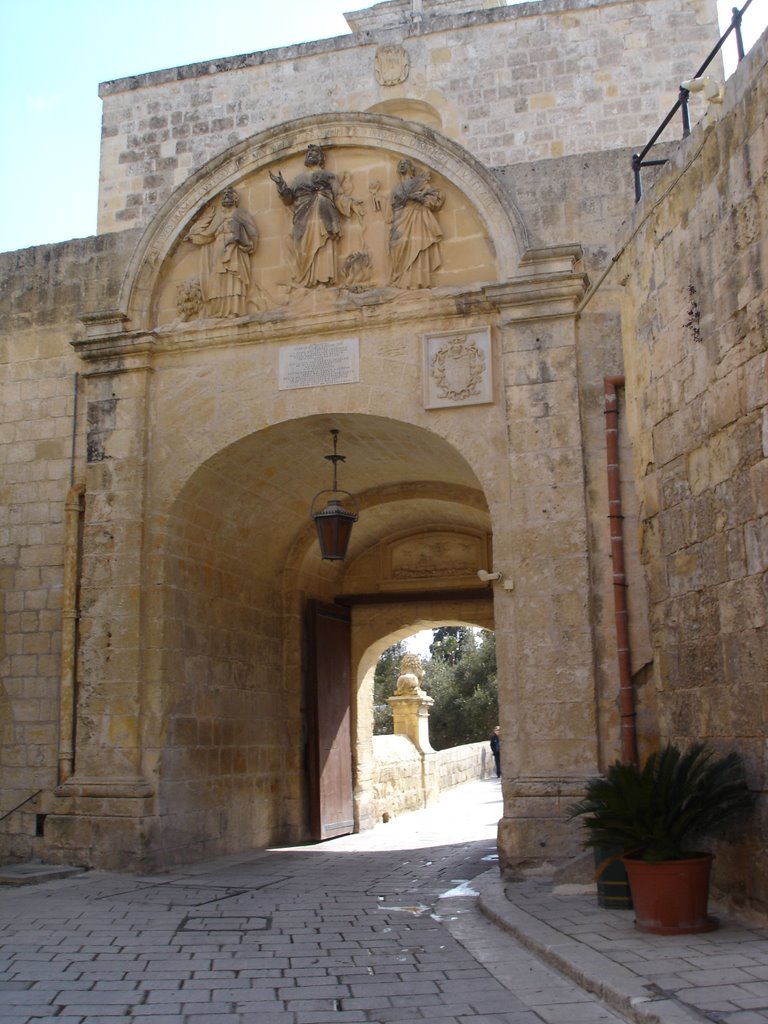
(240, 565)
(389, 623)
(205, 437)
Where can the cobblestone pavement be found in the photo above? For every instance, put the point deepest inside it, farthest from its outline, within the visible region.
(376, 928)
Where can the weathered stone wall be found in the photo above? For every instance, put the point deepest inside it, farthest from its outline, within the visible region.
(226, 737)
(43, 289)
(198, 558)
(511, 84)
(398, 774)
(398, 784)
(458, 765)
(695, 314)
(589, 197)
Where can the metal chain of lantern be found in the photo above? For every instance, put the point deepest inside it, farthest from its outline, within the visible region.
(334, 522)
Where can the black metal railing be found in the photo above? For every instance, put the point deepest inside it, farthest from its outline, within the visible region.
(638, 159)
(19, 806)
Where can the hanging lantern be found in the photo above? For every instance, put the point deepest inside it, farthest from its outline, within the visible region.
(334, 522)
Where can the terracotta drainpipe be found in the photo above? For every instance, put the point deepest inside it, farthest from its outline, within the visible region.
(615, 518)
(73, 511)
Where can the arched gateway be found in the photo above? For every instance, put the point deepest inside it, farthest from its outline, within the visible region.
(349, 272)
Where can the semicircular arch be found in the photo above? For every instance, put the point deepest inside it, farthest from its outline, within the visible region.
(502, 222)
(262, 485)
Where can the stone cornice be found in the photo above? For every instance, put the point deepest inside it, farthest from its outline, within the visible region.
(125, 347)
(369, 27)
(546, 291)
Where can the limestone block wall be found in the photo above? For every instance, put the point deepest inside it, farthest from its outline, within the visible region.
(547, 623)
(397, 778)
(458, 765)
(226, 737)
(512, 84)
(398, 775)
(696, 351)
(589, 197)
(43, 291)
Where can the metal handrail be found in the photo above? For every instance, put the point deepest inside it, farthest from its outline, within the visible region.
(638, 159)
(18, 806)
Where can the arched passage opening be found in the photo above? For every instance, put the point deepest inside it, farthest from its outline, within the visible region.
(240, 570)
(371, 752)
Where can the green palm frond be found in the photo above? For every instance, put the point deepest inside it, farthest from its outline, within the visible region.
(662, 810)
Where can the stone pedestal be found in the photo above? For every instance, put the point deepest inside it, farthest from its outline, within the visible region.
(411, 719)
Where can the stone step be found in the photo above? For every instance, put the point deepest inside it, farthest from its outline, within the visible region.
(33, 873)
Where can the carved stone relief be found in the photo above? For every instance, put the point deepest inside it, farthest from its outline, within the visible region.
(414, 241)
(319, 199)
(391, 65)
(484, 233)
(457, 368)
(228, 238)
(438, 558)
(189, 300)
(313, 228)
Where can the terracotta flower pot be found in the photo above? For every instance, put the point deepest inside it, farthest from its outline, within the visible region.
(670, 897)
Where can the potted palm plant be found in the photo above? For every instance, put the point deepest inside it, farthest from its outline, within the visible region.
(657, 816)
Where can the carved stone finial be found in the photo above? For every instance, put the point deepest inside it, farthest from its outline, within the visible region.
(411, 675)
(410, 704)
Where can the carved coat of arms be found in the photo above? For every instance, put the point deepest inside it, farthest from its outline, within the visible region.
(392, 65)
(458, 368)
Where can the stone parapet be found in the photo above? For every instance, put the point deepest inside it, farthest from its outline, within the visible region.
(404, 780)
(509, 83)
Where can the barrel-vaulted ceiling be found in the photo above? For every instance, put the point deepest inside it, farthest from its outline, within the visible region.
(256, 494)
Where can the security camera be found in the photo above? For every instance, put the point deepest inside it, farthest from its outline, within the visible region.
(488, 577)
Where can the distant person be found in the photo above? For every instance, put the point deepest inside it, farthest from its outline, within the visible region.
(496, 750)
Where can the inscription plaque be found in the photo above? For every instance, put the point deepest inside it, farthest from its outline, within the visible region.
(319, 364)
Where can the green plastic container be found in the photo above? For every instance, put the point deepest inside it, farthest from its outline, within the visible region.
(612, 886)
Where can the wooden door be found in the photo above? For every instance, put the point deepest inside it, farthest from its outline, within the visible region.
(329, 721)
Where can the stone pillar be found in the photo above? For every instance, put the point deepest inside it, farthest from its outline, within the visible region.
(100, 813)
(544, 626)
(410, 711)
(411, 719)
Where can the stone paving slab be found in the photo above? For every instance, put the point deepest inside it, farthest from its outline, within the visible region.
(34, 873)
(379, 928)
(685, 979)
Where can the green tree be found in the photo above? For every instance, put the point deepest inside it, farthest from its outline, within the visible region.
(451, 643)
(384, 685)
(465, 690)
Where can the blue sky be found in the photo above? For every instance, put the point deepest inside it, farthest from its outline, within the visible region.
(54, 54)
